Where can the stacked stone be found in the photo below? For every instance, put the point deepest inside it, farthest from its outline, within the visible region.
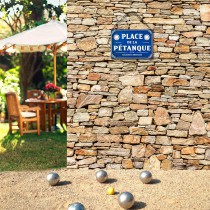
(152, 114)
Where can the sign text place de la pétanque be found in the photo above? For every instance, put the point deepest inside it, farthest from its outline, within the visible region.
(131, 44)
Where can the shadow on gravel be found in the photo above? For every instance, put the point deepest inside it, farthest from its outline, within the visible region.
(138, 205)
(110, 181)
(155, 181)
(62, 183)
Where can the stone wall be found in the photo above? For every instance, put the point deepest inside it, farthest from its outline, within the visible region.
(152, 114)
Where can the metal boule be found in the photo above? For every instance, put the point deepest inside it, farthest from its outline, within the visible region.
(146, 177)
(76, 206)
(53, 178)
(101, 176)
(126, 200)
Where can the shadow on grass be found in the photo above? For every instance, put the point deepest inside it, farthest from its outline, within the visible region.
(32, 152)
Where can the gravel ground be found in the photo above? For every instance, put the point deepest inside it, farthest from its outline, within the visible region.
(169, 190)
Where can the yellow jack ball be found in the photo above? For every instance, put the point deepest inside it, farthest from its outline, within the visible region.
(110, 191)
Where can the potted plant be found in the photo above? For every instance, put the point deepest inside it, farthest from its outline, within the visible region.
(51, 89)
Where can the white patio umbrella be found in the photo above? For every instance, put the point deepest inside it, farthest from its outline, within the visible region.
(51, 36)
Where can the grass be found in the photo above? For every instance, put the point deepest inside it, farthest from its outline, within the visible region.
(31, 152)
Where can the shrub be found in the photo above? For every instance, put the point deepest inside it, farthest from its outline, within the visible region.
(9, 81)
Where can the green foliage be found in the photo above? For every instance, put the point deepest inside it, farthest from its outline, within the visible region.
(24, 14)
(9, 61)
(9, 81)
(61, 70)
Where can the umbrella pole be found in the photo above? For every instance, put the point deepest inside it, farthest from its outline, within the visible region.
(55, 49)
(54, 63)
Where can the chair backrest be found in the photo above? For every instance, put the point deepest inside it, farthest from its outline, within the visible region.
(13, 104)
(34, 93)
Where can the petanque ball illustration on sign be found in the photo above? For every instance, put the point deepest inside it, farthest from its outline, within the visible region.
(131, 44)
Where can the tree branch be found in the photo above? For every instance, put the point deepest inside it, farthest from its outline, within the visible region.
(9, 24)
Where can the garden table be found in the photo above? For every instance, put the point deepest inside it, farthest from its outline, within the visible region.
(46, 108)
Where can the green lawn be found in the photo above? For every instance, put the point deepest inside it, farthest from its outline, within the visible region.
(31, 152)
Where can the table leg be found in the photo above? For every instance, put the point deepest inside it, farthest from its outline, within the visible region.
(63, 112)
(50, 117)
(43, 116)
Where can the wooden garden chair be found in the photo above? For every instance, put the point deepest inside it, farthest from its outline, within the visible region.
(22, 114)
(34, 93)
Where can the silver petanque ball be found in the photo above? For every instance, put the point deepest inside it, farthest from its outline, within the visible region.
(101, 176)
(126, 200)
(53, 178)
(145, 177)
(76, 206)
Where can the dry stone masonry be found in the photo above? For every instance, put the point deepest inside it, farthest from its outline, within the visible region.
(151, 114)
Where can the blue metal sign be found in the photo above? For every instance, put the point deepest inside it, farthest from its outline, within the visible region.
(131, 44)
